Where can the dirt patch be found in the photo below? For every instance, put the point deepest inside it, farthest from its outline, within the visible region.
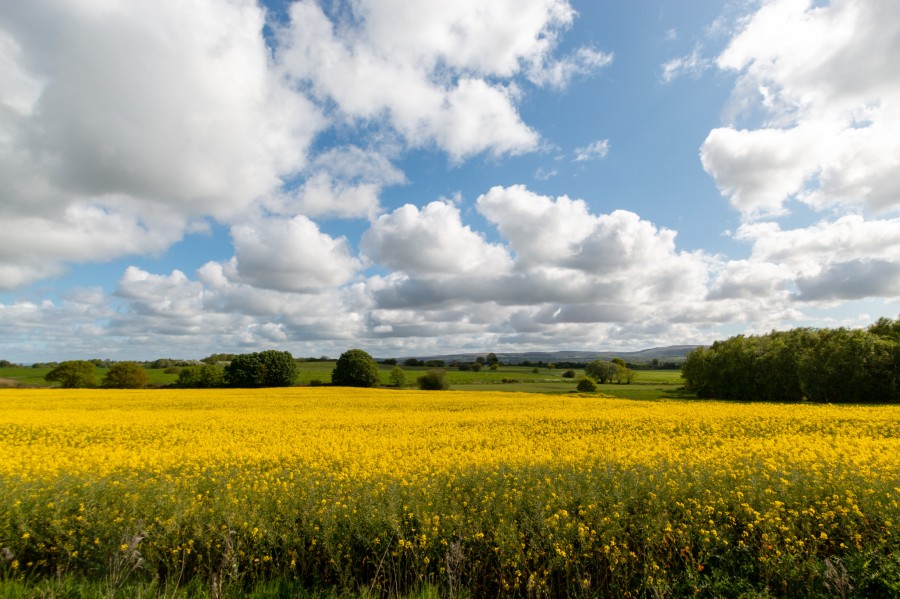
(9, 382)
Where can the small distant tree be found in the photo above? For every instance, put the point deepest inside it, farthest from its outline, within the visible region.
(494, 366)
(270, 368)
(206, 376)
(476, 367)
(601, 371)
(243, 371)
(126, 375)
(464, 366)
(569, 374)
(398, 377)
(277, 368)
(434, 380)
(412, 362)
(355, 368)
(587, 385)
(491, 359)
(72, 374)
(6, 364)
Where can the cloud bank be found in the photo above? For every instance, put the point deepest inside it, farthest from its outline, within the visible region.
(118, 140)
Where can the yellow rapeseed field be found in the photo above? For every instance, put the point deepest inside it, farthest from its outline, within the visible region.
(495, 492)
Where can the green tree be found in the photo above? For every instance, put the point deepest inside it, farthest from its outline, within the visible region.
(587, 385)
(355, 368)
(206, 376)
(887, 328)
(398, 377)
(72, 374)
(601, 371)
(126, 375)
(269, 368)
(243, 371)
(434, 380)
(695, 372)
(278, 368)
(491, 359)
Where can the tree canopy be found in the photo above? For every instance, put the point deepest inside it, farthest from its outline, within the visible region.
(825, 365)
(126, 375)
(355, 368)
(268, 368)
(434, 380)
(200, 377)
(72, 374)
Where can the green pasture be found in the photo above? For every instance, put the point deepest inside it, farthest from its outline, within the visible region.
(649, 384)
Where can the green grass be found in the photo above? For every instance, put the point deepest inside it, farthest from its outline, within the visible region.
(68, 587)
(26, 375)
(649, 384)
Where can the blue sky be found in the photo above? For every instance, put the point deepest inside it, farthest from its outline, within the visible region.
(178, 179)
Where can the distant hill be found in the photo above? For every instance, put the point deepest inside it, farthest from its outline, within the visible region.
(672, 353)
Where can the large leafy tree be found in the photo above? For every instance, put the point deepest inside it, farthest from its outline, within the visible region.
(269, 368)
(601, 371)
(355, 368)
(126, 375)
(200, 377)
(72, 374)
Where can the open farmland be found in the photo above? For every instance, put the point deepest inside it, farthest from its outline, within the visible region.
(481, 493)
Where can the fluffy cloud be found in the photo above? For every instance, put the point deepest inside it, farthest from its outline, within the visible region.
(569, 267)
(430, 242)
(824, 80)
(441, 73)
(849, 258)
(115, 138)
(343, 182)
(289, 255)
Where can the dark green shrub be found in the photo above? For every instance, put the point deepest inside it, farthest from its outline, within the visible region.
(587, 385)
(355, 368)
(434, 380)
(72, 374)
(126, 375)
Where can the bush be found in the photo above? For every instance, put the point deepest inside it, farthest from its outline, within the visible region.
(587, 385)
(200, 377)
(601, 371)
(355, 368)
(72, 374)
(398, 377)
(269, 368)
(126, 375)
(569, 374)
(434, 380)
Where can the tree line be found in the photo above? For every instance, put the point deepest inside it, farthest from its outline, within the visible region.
(803, 364)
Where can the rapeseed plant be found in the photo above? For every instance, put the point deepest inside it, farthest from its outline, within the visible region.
(498, 493)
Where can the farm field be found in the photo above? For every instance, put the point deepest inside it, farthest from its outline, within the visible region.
(649, 384)
(372, 492)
